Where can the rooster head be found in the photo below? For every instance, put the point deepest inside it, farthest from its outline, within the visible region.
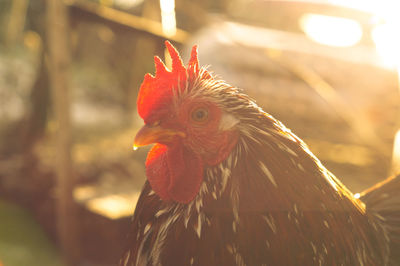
(185, 117)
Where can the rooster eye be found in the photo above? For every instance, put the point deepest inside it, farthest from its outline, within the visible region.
(200, 114)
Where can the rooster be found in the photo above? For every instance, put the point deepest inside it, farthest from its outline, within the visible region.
(227, 184)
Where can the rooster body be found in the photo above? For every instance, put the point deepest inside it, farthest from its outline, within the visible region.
(230, 185)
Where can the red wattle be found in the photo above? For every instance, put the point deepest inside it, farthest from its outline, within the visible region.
(174, 172)
(157, 171)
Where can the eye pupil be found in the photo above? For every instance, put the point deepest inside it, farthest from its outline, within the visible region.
(200, 115)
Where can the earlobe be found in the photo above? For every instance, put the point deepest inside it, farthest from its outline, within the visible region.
(227, 122)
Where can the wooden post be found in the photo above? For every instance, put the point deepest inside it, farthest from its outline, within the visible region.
(59, 59)
(16, 21)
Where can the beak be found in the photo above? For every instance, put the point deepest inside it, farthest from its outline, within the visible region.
(155, 134)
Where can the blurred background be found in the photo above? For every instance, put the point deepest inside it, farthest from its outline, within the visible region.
(70, 72)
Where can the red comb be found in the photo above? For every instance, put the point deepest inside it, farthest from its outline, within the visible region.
(156, 92)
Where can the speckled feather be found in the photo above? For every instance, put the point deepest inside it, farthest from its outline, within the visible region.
(271, 202)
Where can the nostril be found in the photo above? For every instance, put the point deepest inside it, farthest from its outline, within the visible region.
(154, 124)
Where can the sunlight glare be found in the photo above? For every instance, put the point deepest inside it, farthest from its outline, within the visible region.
(329, 30)
(168, 20)
(126, 4)
(387, 42)
(113, 206)
(396, 154)
(386, 34)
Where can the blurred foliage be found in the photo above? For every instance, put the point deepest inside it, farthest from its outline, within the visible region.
(108, 62)
(4, 9)
(22, 240)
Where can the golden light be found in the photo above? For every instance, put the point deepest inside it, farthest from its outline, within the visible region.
(168, 22)
(112, 206)
(387, 43)
(168, 17)
(386, 34)
(127, 3)
(329, 30)
(396, 155)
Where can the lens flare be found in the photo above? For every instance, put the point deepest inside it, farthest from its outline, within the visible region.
(332, 31)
